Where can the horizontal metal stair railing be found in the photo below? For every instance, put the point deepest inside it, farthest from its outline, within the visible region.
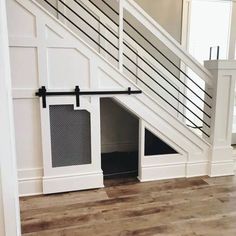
(203, 114)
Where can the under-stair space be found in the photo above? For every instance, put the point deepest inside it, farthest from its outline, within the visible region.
(119, 140)
(154, 125)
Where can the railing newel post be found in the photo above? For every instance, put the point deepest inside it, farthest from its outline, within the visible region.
(223, 90)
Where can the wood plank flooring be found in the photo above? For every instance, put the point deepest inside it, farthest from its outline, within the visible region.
(181, 207)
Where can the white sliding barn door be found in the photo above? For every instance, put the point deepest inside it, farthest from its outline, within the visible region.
(71, 145)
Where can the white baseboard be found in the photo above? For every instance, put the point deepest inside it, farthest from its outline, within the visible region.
(72, 183)
(224, 168)
(234, 157)
(152, 173)
(182, 170)
(30, 182)
(194, 169)
(30, 187)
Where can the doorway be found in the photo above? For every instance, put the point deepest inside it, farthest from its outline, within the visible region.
(119, 140)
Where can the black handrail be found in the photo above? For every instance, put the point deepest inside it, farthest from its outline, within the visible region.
(157, 50)
(153, 56)
(167, 59)
(150, 66)
(197, 127)
(166, 90)
(141, 58)
(81, 30)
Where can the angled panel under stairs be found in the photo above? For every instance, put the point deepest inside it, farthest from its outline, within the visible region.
(156, 146)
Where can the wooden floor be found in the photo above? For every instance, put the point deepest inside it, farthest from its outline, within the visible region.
(199, 206)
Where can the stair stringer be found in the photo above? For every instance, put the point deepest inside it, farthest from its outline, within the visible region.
(103, 75)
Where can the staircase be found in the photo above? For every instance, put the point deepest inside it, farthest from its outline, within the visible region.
(107, 47)
(133, 48)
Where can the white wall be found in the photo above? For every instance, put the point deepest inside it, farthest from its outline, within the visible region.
(232, 45)
(203, 34)
(168, 13)
(2, 227)
(9, 201)
(25, 81)
(119, 127)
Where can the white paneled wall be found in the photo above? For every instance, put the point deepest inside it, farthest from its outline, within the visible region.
(9, 199)
(25, 81)
(39, 57)
(44, 53)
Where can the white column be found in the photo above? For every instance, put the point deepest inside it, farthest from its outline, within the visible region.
(221, 157)
(9, 200)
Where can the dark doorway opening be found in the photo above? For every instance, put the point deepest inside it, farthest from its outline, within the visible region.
(156, 146)
(119, 140)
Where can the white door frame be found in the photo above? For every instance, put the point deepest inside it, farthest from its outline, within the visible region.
(9, 198)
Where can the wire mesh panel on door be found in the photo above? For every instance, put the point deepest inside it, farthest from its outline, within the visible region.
(70, 136)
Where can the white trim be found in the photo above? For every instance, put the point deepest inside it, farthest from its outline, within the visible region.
(30, 187)
(156, 172)
(30, 181)
(9, 205)
(72, 182)
(194, 169)
(222, 168)
(234, 158)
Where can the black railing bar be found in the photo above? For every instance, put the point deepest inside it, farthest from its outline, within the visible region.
(88, 24)
(165, 100)
(168, 60)
(188, 99)
(166, 79)
(104, 13)
(210, 53)
(193, 127)
(155, 57)
(92, 15)
(165, 69)
(218, 52)
(156, 49)
(165, 57)
(117, 13)
(81, 30)
(167, 91)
